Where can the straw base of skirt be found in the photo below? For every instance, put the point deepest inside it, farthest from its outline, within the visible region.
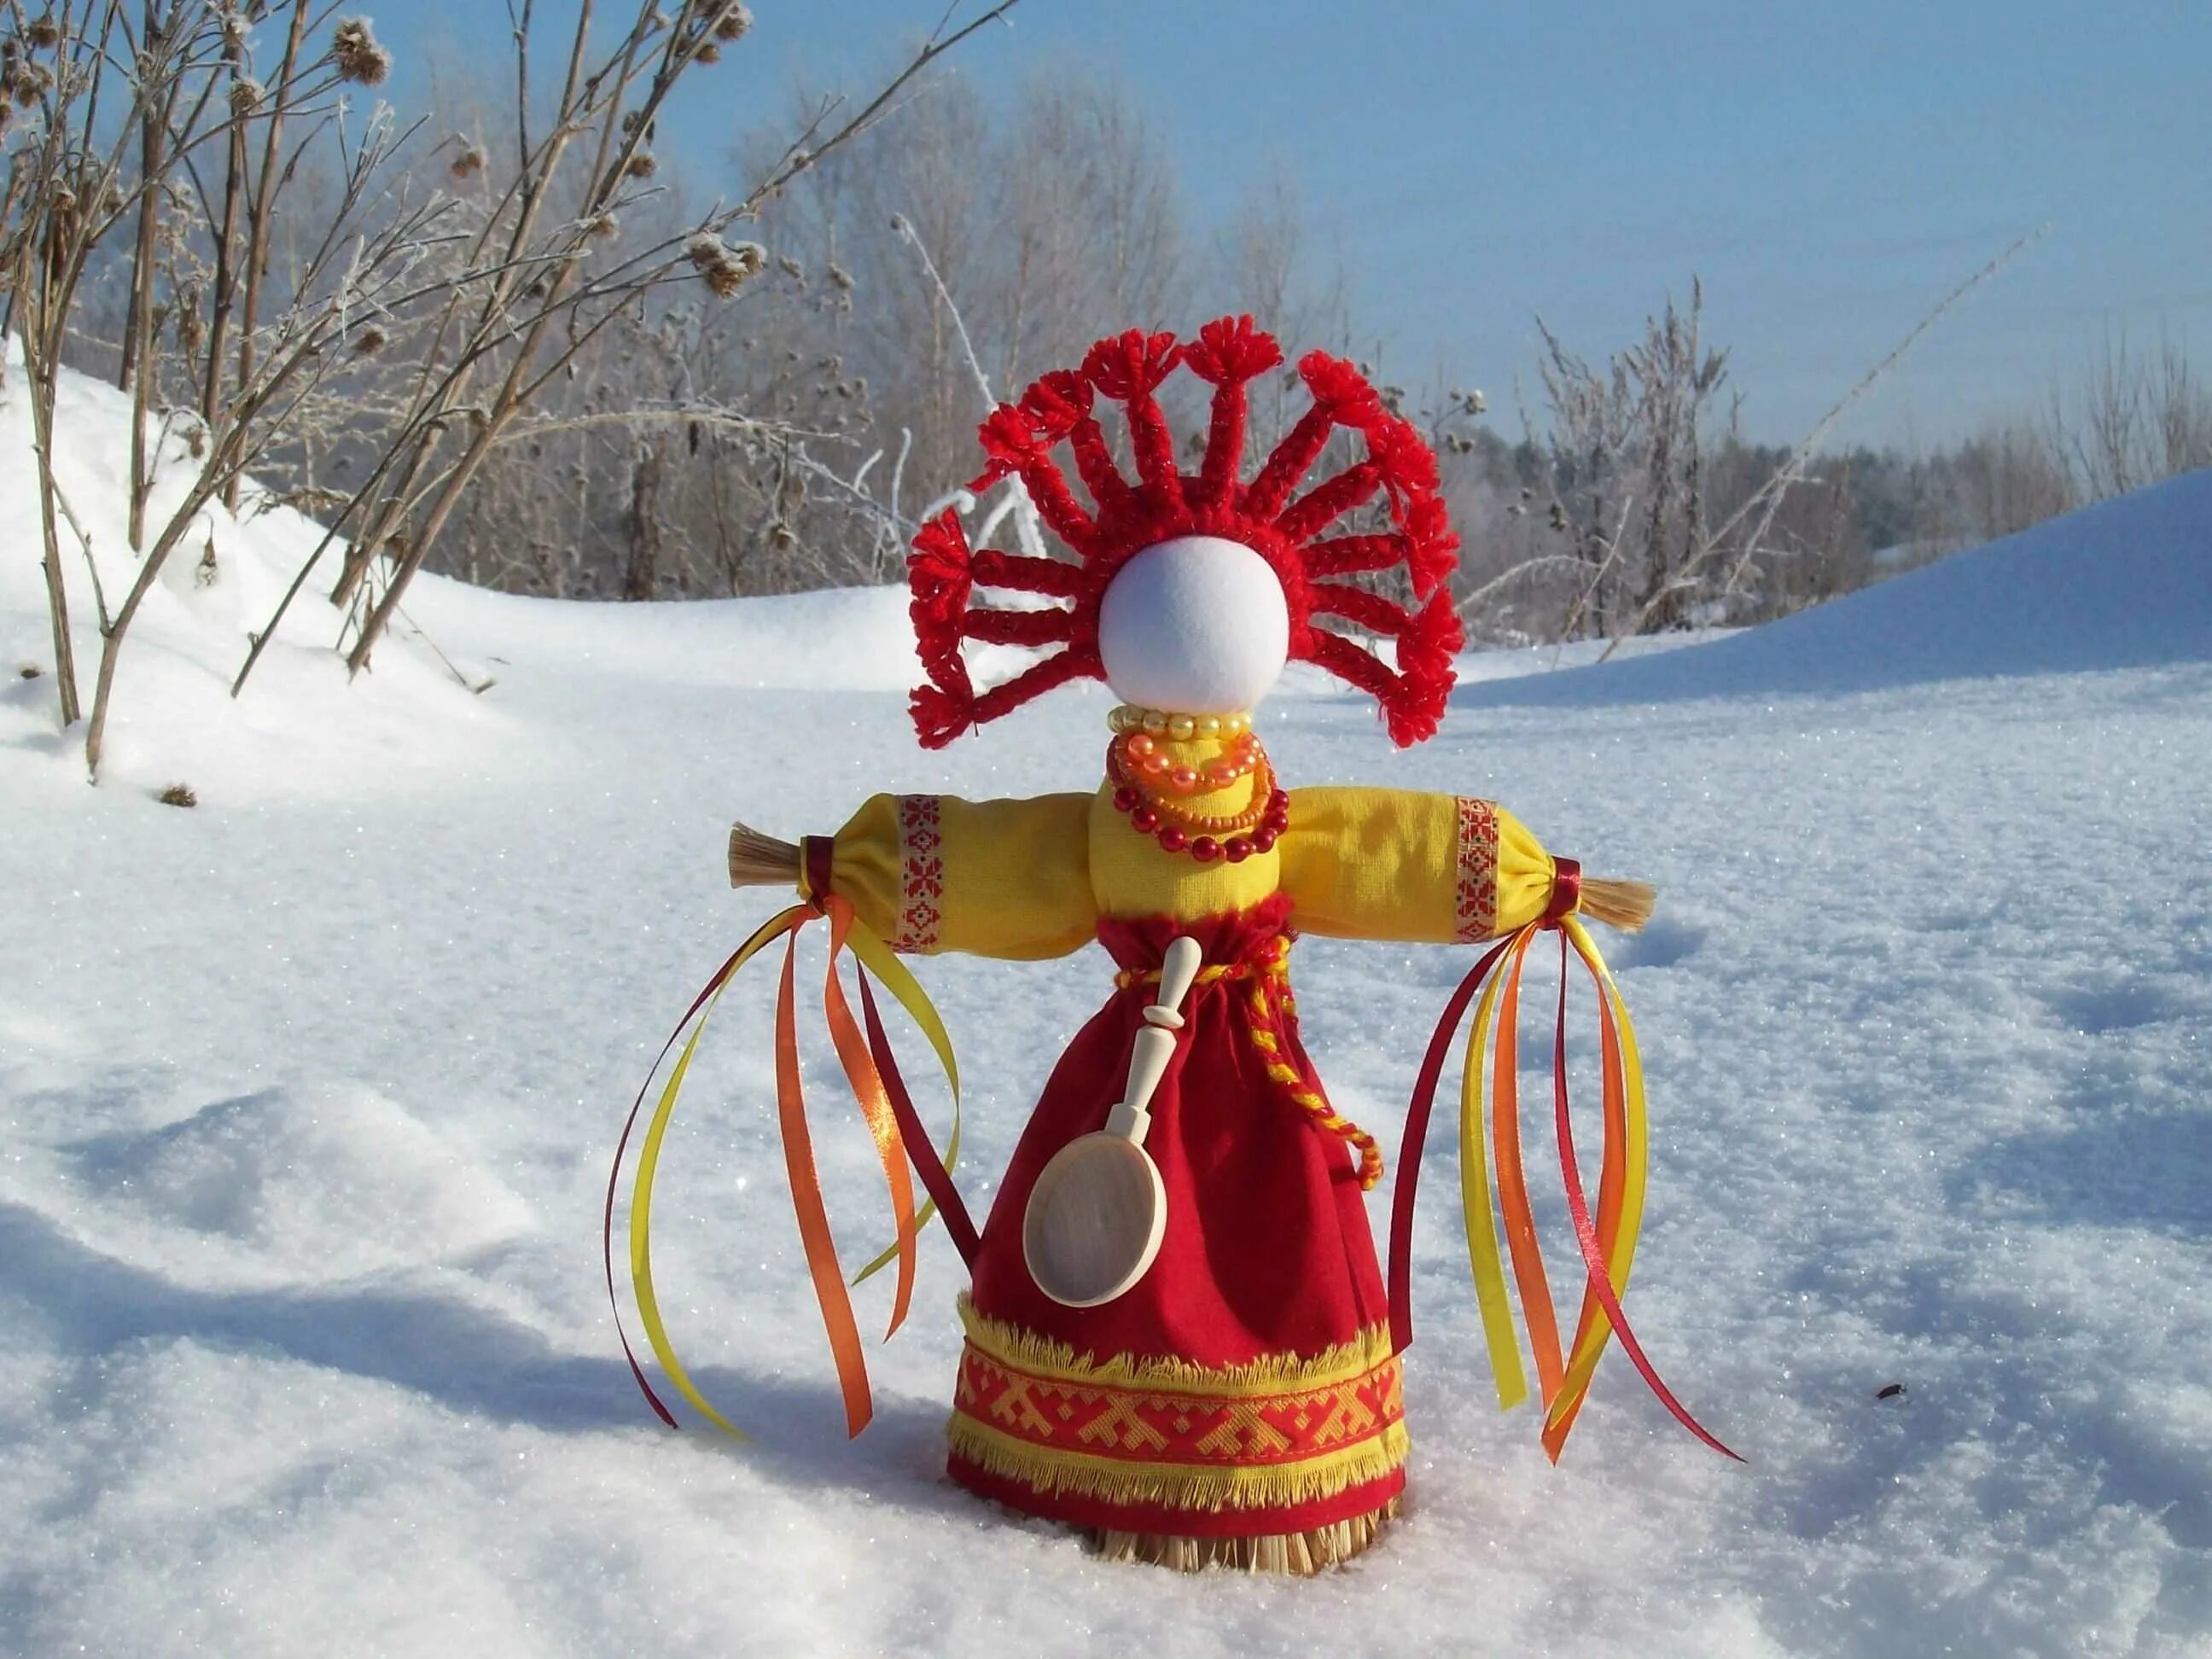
(1300, 1554)
(1304, 1538)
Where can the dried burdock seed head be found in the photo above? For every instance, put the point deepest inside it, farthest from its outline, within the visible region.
(733, 23)
(245, 95)
(791, 268)
(469, 160)
(42, 32)
(709, 53)
(725, 267)
(641, 164)
(602, 226)
(371, 340)
(177, 794)
(632, 119)
(30, 82)
(355, 50)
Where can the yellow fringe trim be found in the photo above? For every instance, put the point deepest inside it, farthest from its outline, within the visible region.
(1375, 1452)
(1179, 1486)
(1025, 1350)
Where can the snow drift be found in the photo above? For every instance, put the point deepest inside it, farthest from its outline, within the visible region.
(2124, 584)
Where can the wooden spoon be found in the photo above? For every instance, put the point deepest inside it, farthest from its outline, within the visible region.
(1098, 1210)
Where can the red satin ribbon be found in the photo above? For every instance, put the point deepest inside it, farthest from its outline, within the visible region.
(1566, 888)
(1601, 1278)
(1594, 1235)
(816, 856)
(1613, 1181)
(1409, 1150)
(1513, 1207)
(613, 1173)
(866, 1079)
(936, 1179)
(812, 1216)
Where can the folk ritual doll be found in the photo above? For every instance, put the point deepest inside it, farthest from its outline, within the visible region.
(1178, 1335)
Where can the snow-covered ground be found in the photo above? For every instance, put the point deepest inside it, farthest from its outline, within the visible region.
(308, 1095)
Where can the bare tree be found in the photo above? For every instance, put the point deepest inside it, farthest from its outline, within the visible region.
(548, 272)
(169, 93)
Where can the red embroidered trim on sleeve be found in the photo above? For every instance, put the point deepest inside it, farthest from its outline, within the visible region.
(921, 874)
(1477, 896)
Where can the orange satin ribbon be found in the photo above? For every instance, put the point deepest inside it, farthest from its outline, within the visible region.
(1613, 1181)
(822, 1263)
(863, 1062)
(867, 1082)
(1606, 1239)
(1513, 1186)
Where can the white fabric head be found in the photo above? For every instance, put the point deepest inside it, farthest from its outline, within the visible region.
(1196, 625)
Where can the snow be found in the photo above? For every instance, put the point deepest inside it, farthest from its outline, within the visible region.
(2124, 584)
(309, 1093)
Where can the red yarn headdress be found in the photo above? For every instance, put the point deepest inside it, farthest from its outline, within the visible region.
(1126, 517)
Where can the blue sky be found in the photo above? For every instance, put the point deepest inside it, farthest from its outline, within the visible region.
(1829, 170)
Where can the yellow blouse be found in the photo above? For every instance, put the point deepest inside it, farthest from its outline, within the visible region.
(1030, 878)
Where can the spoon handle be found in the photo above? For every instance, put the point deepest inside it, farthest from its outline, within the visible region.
(1155, 1043)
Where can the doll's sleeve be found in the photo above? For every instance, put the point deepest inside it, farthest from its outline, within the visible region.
(933, 874)
(1392, 864)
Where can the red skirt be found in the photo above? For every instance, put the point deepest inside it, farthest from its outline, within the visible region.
(1246, 1385)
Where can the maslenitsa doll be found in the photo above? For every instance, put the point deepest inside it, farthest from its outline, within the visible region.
(1179, 1338)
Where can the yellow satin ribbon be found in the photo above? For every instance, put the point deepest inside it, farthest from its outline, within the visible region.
(893, 975)
(877, 956)
(1621, 1196)
(1482, 1251)
(648, 1161)
(1621, 1184)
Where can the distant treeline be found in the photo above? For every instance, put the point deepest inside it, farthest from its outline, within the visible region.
(783, 422)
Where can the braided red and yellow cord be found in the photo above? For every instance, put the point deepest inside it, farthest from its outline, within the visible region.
(1287, 1078)
(1275, 970)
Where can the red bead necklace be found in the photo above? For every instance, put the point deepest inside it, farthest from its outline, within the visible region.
(1234, 837)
